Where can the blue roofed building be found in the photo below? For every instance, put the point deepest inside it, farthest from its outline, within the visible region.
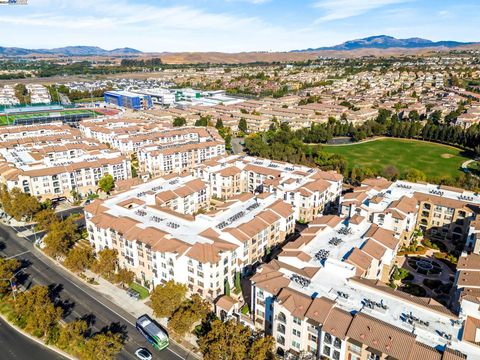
(128, 100)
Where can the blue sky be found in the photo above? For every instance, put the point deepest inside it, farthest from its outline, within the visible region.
(232, 25)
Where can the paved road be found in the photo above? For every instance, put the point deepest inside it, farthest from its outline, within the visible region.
(78, 299)
(465, 166)
(15, 346)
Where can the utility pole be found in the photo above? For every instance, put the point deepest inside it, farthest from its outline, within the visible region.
(13, 285)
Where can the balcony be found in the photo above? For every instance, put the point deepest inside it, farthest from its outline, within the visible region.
(355, 349)
(312, 329)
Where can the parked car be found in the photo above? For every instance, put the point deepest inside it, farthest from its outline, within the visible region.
(143, 354)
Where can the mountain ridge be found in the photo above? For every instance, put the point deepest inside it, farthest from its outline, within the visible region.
(68, 51)
(388, 42)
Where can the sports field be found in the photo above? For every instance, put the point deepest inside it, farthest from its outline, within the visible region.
(12, 118)
(435, 160)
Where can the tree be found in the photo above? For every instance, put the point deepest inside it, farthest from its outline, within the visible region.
(390, 172)
(227, 287)
(262, 348)
(203, 121)
(106, 263)
(219, 124)
(415, 175)
(124, 276)
(167, 298)
(72, 336)
(76, 196)
(45, 219)
(179, 121)
(7, 269)
(190, 311)
(413, 115)
(35, 312)
(238, 285)
(20, 205)
(6, 200)
(102, 346)
(225, 340)
(242, 125)
(226, 134)
(106, 183)
(61, 237)
(79, 259)
(436, 116)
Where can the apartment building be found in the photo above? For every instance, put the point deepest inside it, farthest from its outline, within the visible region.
(309, 191)
(315, 310)
(15, 135)
(160, 149)
(39, 94)
(472, 244)
(325, 294)
(160, 233)
(467, 277)
(51, 161)
(444, 216)
(188, 199)
(403, 207)
(157, 160)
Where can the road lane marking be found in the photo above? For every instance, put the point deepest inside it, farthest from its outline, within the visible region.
(101, 303)
(59, 271)
(14, 256)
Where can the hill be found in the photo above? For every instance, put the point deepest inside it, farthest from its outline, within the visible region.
(68, 51)
(388, 42)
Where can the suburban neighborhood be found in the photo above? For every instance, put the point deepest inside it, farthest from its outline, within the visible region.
(240, 180)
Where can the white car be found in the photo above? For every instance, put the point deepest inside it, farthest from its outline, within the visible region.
(143, 354)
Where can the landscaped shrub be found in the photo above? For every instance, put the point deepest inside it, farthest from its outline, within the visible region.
(400, 274)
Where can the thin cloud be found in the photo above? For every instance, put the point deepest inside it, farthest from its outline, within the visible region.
(343, 9)
(129, 14)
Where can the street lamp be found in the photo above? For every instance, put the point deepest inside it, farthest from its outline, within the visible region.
(13, 285)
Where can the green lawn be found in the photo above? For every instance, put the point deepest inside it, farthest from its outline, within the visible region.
(87, 100)
(435, 160)
(140, 289)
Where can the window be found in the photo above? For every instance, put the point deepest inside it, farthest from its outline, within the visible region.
(337, 343)
(327, 338)
(336, 355)
(326, 350)
(297, 321)
(296, 344)
(296, 332)
(355, 348)
(281, 317)
(260, 293)
(281, 340)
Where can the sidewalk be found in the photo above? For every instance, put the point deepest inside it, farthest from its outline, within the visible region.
(115, 294)
(134, 307)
